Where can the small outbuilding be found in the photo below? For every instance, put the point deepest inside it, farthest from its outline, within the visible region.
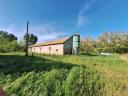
(63, 46)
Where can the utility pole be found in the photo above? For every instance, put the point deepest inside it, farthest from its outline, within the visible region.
(27, 40)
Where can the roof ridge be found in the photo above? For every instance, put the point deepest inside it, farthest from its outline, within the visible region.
(53, 42)
(56, 39)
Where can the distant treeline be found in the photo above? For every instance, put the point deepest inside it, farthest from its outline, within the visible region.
(9, 42)
(113, 42)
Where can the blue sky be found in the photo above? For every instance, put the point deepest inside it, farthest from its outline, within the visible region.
(51, 19)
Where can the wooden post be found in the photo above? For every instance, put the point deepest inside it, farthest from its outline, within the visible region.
(27, 40)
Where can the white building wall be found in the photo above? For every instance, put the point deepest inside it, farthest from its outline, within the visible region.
(57, 49)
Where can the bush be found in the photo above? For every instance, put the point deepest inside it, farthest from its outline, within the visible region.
(6, 46)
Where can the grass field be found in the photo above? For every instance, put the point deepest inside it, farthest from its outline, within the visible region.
(44, 75)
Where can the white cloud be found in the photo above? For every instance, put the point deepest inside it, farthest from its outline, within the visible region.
(14, 29)
(82, 18)
(44, 32)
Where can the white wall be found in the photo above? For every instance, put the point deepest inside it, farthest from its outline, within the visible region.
(55, 49)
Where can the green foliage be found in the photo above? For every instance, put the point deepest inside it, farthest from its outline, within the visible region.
(116, 42)
(7, 36)
(8, 42)
(81, 81)
(32, 39)
(6, 46)
(43, 76)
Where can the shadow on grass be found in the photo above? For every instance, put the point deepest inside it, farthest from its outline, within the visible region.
(10, 64)
(76, 83)
(89, 54)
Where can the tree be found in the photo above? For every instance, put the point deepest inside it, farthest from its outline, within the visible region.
(12, 37)
(6, 46)
(86, 45)
(6, 35)
(32, 39)
(8, 42)
(103, 42)
(116, 42)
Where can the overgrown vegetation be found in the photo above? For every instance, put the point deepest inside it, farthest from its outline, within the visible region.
(85, 75)
(114, 42)
(44, 75)
(9, 42)
(113, 69)
(47, 76)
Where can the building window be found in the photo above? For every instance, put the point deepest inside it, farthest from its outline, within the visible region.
(56, 50)
(50, 48)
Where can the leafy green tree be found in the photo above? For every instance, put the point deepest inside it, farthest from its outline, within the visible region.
(86, 45)
(116, 42)
(6, 46)
(6, 35)
(32, 39)
(12, 37)
(8, 42)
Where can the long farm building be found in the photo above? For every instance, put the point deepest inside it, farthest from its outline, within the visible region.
(63, 46)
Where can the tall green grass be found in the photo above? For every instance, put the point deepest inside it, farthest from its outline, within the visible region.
(78, 81)
(48, 76)
(113, 69)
